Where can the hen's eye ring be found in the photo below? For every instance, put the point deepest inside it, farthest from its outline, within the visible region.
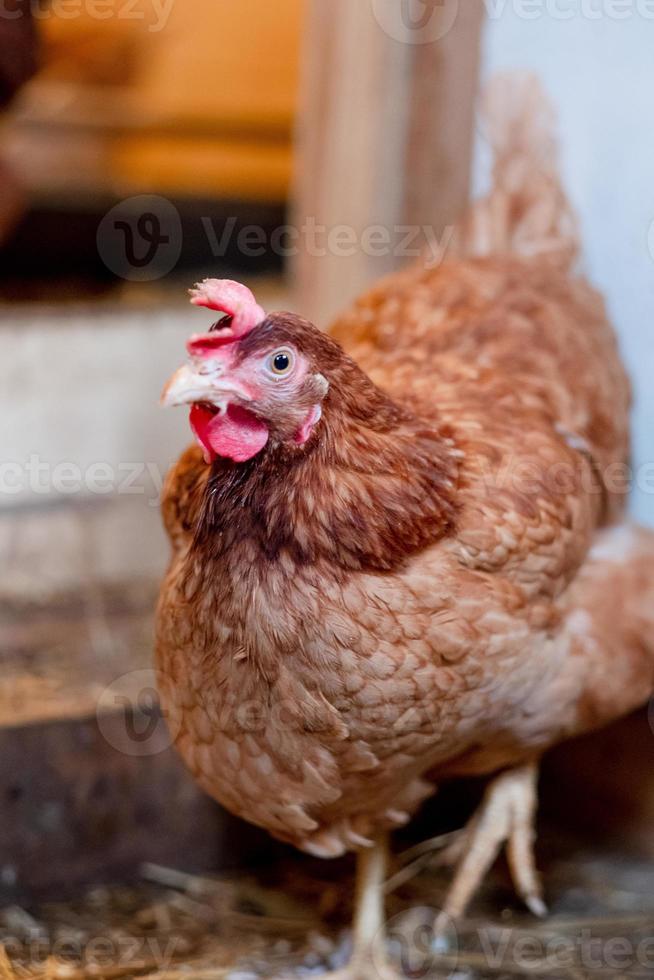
(281, 362)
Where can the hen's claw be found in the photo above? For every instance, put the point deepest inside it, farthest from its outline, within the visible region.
(364, 969)
(505, 816)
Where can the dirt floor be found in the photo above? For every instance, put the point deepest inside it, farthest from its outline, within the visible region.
(292, 921)
(291, 917)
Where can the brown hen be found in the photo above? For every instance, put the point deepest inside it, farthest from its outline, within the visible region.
(394, 565)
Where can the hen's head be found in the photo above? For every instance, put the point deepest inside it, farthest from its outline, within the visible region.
(253, 379)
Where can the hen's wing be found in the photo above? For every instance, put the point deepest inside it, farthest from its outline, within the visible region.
(516, 354)
(520, 362)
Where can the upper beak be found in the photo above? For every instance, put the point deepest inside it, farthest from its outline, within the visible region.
(188, 386)
(185, 387)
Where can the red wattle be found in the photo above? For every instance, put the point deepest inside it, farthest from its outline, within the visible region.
(235, 434)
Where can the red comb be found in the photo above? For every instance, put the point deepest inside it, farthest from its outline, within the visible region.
(232, 298)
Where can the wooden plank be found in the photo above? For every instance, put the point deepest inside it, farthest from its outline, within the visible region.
(384, 139)
(445, 75)
(90, 782)
(75, 809)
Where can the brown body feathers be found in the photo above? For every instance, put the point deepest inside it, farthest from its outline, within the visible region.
(420, 591)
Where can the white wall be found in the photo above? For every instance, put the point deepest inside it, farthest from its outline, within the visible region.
(85, 445)
(599, 70)
(79, 387)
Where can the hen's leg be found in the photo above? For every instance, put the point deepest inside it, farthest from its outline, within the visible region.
(505, 816)
(368, 960)
(368, 940)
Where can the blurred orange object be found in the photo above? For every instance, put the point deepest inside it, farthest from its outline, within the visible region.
(196, 99)
(226, 77)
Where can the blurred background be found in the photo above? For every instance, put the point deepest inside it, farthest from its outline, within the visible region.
(306, 147)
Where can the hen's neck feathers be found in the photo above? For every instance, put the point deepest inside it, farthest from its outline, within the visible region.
(374, 485)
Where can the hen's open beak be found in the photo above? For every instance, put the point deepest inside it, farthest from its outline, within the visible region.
(188, 386)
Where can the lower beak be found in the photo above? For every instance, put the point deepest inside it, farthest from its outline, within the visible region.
(188, 386)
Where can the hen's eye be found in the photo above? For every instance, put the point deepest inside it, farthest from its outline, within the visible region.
(281, 362)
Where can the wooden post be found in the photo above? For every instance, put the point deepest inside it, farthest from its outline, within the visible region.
(384, 138)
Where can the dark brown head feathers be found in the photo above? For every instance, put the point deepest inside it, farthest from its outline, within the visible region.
(373, 485)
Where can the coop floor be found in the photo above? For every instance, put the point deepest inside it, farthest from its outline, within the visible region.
(292, 920)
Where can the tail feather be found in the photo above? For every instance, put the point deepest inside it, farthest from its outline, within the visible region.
(526, 211)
